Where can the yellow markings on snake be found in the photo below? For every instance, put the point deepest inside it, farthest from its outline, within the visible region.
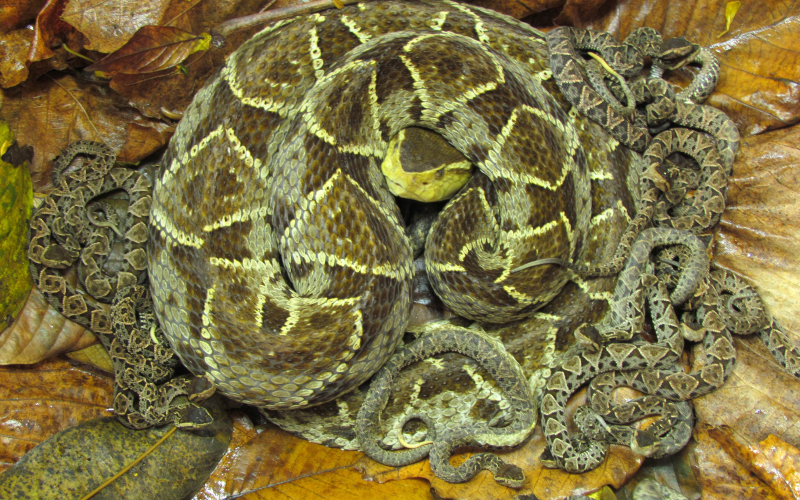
(436, 22)
(207, 307)
(173, 234)
(355, 29)
(480, 31)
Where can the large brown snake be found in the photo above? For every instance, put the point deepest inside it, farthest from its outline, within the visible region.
(227, 213)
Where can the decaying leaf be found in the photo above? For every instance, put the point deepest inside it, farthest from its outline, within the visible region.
(16, 201)
(759, 233)
(40, 332)
(108, 25)
(36, 401)
(152, 49)
(79, 459)
(17, 13)
(50, 31)
(14, 48)
(277, 465)
(786, 459)
(770, 475)
(51, 113)
(722, 477)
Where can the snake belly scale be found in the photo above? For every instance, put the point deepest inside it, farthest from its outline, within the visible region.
(278, 262)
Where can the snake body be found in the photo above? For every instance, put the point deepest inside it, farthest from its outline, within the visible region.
(503, 368)
(279, 265)
(63, 235)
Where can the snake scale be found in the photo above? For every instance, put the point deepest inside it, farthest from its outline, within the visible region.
(284, 280)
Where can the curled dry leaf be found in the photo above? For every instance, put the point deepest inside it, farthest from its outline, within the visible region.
(152, 49)
(40, 332)
(77, 460)
(51, 113)
(16, 198)
(51, 31)
(759, 55)
(108, 25)
(36, 401)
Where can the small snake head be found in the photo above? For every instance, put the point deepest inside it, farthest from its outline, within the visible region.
(644, 442)
(510, 475)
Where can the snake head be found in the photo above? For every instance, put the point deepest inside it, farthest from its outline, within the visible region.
(644, 442)
(510, 475)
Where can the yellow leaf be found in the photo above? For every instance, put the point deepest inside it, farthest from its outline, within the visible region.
(16, 203)
(204, 43)
(731, 8)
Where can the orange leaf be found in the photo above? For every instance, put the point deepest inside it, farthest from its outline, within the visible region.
(152, 49)
(277, 465)
(753, 460)
(39, 400)
(786, 458)
(40, 332)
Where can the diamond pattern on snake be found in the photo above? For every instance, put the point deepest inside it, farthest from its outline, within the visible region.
(280, 269)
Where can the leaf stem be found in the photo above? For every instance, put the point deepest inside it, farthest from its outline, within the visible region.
(130, 465)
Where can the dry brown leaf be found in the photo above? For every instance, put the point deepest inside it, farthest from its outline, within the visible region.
(40, 332)
(50, 31)
(759, 56)
(171, 90)
(14, 48)
(519, 10)
(52, 113)
(722, 477)
(151, 49)
(277, 465)
(39, 400)
(758, 400)
(16, 13)
(108, 25)
(759, 234)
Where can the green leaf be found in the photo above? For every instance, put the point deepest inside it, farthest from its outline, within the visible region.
(16, 204)
(75, 461)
